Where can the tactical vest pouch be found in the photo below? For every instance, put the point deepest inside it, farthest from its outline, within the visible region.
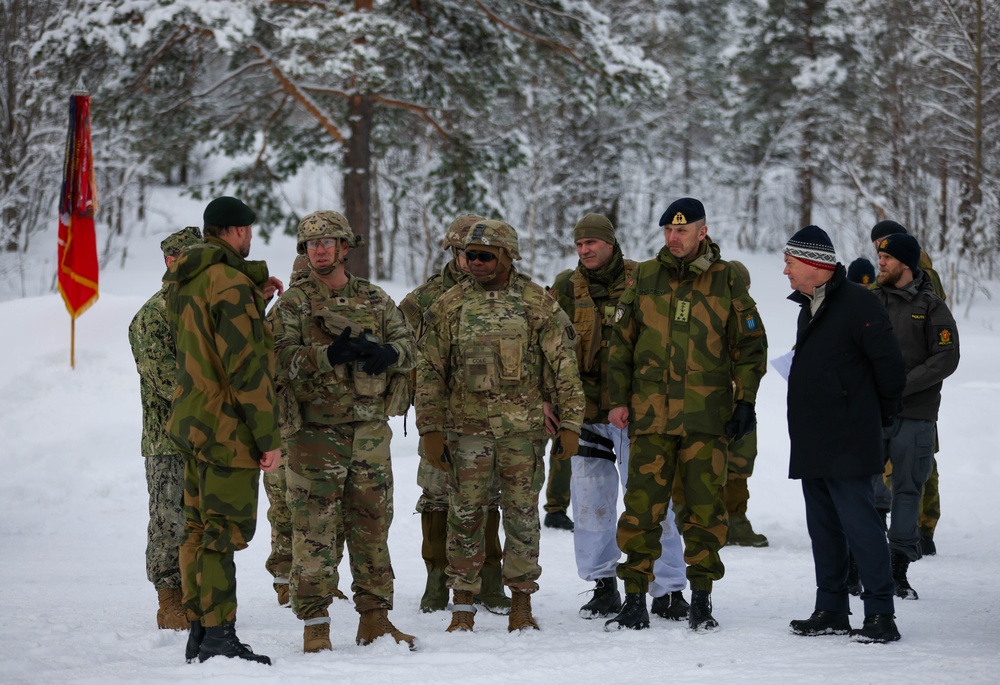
(397, 399)
(511, 354)
(480, 369)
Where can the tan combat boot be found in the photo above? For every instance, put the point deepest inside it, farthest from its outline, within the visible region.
(283, 592)
(520, 612)
(463, 613)
(375, 623)
(170, 615)
(316, 636)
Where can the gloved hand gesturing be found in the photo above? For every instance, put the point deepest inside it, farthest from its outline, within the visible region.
(342, 350)
(378, 358)
(436, 451)
(566, 444)
(744, 421)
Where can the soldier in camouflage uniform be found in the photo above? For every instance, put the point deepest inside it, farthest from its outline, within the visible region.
(279, 561)
(589, 295)
(742, 455)
(685, 362)
(155, 359)
(496, 346)
(433, 502)
(223, 416)
(345, 352)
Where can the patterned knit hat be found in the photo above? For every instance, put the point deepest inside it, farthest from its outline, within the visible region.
(813, 246)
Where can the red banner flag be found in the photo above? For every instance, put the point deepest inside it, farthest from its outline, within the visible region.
(77, 204)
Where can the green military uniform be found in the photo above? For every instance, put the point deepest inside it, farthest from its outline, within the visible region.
(223, 415)
(481, 381)
(339, 474)
(688, 334)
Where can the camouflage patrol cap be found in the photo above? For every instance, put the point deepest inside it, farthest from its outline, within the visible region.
(455, 236)
(494, 234)
(175, 243)
(324, 224)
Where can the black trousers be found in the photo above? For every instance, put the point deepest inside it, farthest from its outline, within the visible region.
(841, 516)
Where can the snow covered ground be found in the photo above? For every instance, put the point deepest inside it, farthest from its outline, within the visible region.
(75, 605)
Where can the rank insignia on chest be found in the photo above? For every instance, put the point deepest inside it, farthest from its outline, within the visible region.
(945, 337)
(751, 322)
(683, 312)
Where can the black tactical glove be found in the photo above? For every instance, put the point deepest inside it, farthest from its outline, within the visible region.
(378, 358)
(342, 350)
(743, 422)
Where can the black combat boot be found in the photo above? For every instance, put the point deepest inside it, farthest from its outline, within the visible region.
(853, 576)
(879, 628)
(222, 641)
(195, 635)
(633, 615)
(606, 600)
(558, 520)
(700, 614)
(899, 566)
(671, 606)
(823, 623)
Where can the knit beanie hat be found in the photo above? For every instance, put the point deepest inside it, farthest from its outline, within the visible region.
(861, 271)
(903, 247)
(595, 226)
(813, 246)
(884, 228)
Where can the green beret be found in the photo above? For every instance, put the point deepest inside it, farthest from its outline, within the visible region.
(227, 211)
(177, 242)
(595, 226)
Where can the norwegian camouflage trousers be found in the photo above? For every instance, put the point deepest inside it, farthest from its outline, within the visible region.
(220, 516)
(516, 463)
(165, 532)
(279, 561)
(434, 487)
(557, 487)
(340, 484)
(742, 455)
(698, 462)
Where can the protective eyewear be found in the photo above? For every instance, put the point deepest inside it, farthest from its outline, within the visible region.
(484, 257)
(327, 243)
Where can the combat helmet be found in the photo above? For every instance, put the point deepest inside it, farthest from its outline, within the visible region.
(454, 238)
(325, 224)
(494, 234)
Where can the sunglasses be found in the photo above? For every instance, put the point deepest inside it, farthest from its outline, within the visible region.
(484, 257)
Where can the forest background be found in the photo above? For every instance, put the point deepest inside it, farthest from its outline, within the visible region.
(404, 113)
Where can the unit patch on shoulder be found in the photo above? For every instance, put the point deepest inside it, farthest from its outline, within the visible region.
(945, 337)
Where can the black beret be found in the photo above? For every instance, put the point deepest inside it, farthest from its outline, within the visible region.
(687, 210)
(227, 211)
(861, 271)
(884, 228)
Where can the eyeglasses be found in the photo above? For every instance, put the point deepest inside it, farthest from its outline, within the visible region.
(326, 243)
(484, 257)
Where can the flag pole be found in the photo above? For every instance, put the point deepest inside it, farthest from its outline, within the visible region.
(72, 342)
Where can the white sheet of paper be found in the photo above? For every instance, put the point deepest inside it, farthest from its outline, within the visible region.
(783, 364)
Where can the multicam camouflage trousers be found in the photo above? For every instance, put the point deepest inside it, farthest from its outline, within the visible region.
(434, 487)
(340, 481)
(279, 561)
(699, 464)
(165, 532)
(517, 464)
(220, 517)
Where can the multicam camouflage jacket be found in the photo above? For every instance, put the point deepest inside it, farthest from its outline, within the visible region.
(224, 407)
(423, 296)
(591, 306)
(688, 343)
(155, 360)
(484, 358)
(309, 317)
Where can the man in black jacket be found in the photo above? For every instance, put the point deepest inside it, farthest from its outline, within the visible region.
(928, 338)
(845, 383)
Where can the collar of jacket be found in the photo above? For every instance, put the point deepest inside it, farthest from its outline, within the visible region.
(707, 255)
(214, 250)
(839, 276)
(919, 283)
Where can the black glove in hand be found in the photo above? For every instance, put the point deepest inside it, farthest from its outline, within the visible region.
(743, 422)
(436, 452)
(379, 359)
(342, 350)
